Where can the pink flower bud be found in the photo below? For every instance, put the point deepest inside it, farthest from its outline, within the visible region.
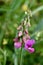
(26, 31)
(26, 37)
(20, 33)
(17, 44)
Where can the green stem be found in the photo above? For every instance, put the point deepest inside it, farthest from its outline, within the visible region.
(21, 57)
(15, 58)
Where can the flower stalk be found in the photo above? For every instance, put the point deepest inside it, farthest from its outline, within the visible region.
(23, 39)
(15, 58)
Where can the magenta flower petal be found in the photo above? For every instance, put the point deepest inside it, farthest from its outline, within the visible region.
(29, 43)
(26, 47)
(17, 44)
(31, 50)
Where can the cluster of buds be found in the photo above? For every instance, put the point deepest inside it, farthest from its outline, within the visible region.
(23, 39)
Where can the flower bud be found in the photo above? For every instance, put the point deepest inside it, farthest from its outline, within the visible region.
(29, 24)
(26, 31)
(20, 33)
(15, 40)
(19, 27)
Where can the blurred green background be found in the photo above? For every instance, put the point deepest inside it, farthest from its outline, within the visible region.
(11, 14)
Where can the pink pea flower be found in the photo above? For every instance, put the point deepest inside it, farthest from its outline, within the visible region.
(29, 44)
(17, 44)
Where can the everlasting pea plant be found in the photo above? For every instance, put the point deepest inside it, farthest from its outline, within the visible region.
(23, 40)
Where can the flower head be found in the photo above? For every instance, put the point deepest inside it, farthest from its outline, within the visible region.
(23, 36)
